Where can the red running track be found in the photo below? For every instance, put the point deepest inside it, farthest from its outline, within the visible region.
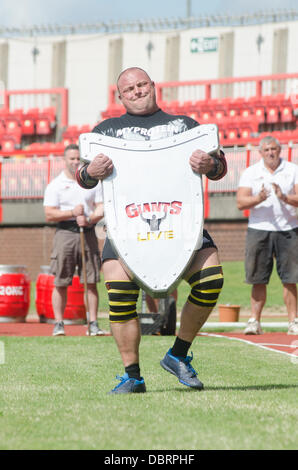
(40, 329)
(276, 341)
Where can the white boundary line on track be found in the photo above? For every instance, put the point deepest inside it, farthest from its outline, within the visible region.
(260, 345)
(281, 345)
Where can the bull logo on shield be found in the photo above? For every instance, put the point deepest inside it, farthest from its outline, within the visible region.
(153, 203)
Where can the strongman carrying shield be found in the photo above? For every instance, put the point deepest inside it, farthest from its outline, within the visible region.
(153, 203)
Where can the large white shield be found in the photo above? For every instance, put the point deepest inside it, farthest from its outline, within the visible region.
(153, 203)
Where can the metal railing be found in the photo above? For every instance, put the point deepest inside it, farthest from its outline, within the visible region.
(27, 178)
(191, 93)
(153, 24)
(37, 98)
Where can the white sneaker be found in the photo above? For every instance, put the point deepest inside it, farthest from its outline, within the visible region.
(59, 329)
(253, 327)
(94, 329)
(293, 327)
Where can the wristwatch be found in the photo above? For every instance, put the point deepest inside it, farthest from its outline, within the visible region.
(88, 220)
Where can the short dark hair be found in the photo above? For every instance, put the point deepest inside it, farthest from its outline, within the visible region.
(71, 147)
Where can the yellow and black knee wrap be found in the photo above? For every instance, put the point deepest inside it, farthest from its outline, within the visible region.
(206, 285)
(123, 296)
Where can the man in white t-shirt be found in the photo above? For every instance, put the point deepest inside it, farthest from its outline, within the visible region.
(71, 207)
(269, 189)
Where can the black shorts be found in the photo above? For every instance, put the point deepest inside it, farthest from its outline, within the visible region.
(261, 249)
(109, 253)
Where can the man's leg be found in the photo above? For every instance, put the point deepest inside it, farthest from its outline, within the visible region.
(194, 316)
(93, 310)
(125, 325)
(258, 300)
(92, 301)
(290, 299)
(206, 279)
(59, 299)
(127, 333)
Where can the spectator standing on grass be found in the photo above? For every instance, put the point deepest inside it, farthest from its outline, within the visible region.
(72, 207)
(269, 189)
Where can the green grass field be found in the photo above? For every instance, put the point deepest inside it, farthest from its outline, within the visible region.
(54, 396)
(54, 391)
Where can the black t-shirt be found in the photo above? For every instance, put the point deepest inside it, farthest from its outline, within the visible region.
(154, 126)
(158, 125)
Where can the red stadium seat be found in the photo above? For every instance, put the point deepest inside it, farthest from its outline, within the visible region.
(246, 112)
(13, 122)
(10, 142)
(174, 107)
(220, 109)
(50, 112)
(43, 127)
(286, 112)
(221, 133)
(28, 126)
(2, 128)
(194, 115)
(233, 109)
(29, 121)
(71, 135)
(67, 141)
(46, 121)
(85, 128)
(114, 110)
(272, 114)
(246, 131)
(232, 133)
(206, 114)
(188, 107)
(258, 109)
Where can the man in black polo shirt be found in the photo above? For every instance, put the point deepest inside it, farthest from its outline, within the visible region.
(144, 120)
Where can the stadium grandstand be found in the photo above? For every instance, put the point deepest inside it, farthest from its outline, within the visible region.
(57, 82)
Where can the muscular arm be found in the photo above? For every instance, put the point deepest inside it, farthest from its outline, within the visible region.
(291, 199)
(97, 214)
(83, 178)
(246, 200)
(54, 214)
(93, 218)
(89, 174)
(213, 166)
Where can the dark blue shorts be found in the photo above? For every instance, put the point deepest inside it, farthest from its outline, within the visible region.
(109, 253)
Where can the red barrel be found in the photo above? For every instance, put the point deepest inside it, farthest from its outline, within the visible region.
(75, 311)
(41, 289)
(14, 293)
(75, 308)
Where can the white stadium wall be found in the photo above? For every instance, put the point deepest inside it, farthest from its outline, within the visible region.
(86, 64)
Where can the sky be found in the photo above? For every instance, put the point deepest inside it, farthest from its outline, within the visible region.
(18, 13)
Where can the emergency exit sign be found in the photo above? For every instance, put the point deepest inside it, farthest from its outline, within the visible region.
(201, 44)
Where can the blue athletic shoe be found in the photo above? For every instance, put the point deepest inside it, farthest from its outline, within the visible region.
(129, 385)
(180, 366)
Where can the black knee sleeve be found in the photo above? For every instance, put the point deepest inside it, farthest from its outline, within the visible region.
(206, 285)
(123, 296)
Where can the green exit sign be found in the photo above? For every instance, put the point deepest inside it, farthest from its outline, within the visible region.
(203, 45)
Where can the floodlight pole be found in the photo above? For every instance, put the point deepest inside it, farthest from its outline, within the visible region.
(188, 8)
